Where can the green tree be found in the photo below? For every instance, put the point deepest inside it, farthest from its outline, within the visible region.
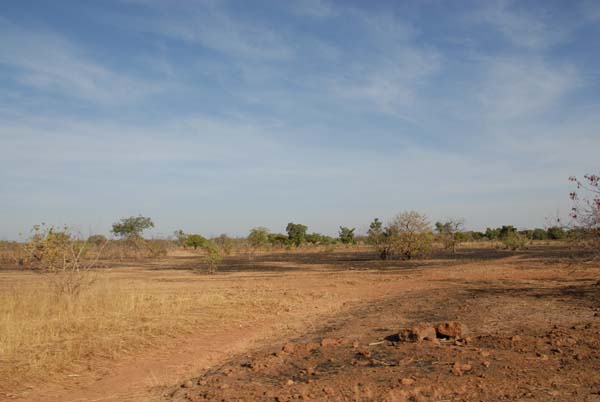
(319, 239)
(539, 234)
(180, 237)
(492, 234)
(258, 237)
(296, 233)
(505, 231)
(514, 240)
(449, 231)
(528, 233)
(278, 239)
(375, 233)
(347, 235)
(195, 241)
(477, 235)
(556, 233)
(132, 227)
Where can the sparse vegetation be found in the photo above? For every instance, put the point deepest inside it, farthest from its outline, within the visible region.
(449, 233)
(62, 257)
(258, 237)
(514, 241)
(225, 244)
(346, 235)
(213, 257)
(375, 235)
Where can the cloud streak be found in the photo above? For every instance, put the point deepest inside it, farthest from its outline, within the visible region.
(47, 62)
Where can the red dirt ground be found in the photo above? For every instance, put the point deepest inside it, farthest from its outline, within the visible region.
(533, 320)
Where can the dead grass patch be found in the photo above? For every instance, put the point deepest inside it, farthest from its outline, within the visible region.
(43, 332)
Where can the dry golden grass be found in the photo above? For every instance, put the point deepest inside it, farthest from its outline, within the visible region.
(43, 332)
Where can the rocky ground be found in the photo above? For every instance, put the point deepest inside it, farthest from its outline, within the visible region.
(511, 340)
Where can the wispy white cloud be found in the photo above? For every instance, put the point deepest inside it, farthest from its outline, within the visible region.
(521, 27)
(522, 87)
(313, 8)
(211, 26)
(47, 61)
(396, 68)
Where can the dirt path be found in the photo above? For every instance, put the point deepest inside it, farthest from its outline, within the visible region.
(319, 295)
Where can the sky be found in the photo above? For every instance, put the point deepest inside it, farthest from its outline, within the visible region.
(219, 116)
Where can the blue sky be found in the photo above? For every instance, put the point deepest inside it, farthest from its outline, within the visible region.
(217, 116)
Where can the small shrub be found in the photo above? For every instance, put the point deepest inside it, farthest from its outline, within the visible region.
(514, 241)
(258, 237)
(97, 239)
(278, 239)
(213, 258)
(346, 235)
(195, 241)
(449, 232)
(55, 251)
(225, 243)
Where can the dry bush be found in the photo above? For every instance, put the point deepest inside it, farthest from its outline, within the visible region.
(132, 249)
(11, 253)
(586, 212)
(408, 235)
(60, 256)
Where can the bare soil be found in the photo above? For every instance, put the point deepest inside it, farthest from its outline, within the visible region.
(533, 320)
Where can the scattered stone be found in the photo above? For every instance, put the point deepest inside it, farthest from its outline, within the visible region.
(310, 346)
(458, 369)
(355, 344)
(290, 382)
(329, 342)
(486, 363)
(364, 353)
(288, 348)
(417, 333)
(329, 391)
(515, 338)
(407, 381)
(484, 353)
(451, 329)
(188, 384)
